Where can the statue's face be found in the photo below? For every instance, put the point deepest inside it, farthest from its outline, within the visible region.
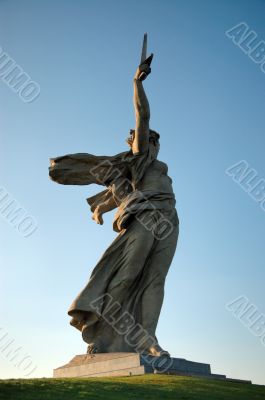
(130, 139)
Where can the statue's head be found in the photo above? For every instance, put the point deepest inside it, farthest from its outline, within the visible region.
(153, 136)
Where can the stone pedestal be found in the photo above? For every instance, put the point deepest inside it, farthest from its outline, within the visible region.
(126, 364)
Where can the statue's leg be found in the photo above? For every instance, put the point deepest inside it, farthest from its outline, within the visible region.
(137, 248)
(123, 287)
(139, 268)
(153, 295)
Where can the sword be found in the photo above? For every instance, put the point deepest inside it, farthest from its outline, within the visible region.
(144, 49)
(144, 59)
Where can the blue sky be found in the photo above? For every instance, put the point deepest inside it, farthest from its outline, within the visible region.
(207, 101)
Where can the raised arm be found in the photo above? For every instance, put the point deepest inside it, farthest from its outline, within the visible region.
(142, 112)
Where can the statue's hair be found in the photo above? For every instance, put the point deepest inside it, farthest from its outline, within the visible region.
(152, 134)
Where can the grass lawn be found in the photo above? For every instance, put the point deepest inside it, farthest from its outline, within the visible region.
(160, 387)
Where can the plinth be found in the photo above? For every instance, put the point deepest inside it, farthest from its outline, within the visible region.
(126, 364)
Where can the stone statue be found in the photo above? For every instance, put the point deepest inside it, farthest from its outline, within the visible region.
(123, 298)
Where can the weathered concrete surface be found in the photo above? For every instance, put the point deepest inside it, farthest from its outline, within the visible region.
(104, 364)
(126, 364)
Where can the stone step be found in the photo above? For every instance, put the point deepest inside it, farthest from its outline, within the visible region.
(126, 364)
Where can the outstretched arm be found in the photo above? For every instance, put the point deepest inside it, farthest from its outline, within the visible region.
(142, 112)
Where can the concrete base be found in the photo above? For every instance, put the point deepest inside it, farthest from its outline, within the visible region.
(127, 364)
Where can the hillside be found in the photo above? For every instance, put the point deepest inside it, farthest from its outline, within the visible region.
(136, 387)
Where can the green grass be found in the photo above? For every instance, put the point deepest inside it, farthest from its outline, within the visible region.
(162, 387)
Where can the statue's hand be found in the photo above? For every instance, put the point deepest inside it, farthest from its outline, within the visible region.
(97, 216)
(142, 71)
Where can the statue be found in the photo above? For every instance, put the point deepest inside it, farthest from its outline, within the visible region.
(127, 284)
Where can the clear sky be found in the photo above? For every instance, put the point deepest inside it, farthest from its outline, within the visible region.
(207, 100)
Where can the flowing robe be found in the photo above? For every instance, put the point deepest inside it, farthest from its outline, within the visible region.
(126, 287)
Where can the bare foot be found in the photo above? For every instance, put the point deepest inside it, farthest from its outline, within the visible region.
(92, 348)
(157, 351)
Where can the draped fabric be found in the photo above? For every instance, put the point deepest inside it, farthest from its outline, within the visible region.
(85, 169)
(132, 273)
(134, 267)
(120, 173)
